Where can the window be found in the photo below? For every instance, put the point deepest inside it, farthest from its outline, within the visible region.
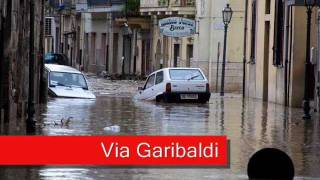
(159, 77)
(67, 79)
(48, 26)
(268, 5)
(253, 31)
(186, 74)
(150, 82)
(278, 34)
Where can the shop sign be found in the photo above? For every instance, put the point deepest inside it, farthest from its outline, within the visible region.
(177, 27)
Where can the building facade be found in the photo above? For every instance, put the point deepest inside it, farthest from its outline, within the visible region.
(22, 84)
(276, 50)
(209, 41)
(112, 33)
(204, 48)
(168, 51)
(62, 30)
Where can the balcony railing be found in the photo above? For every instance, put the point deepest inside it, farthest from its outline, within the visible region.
(62, 5)
(166, 3)
(105, 3)
(153, 3)
(100, 6)
(183, 3)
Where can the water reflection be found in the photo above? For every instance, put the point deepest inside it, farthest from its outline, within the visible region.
(78, 110)
(249, 124)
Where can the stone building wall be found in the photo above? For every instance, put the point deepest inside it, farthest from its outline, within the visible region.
(20, 54)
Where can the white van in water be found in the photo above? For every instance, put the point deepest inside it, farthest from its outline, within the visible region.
(65, 81)
(176, 84)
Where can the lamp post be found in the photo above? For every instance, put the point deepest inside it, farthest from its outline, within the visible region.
(306, 100)
(226, 15)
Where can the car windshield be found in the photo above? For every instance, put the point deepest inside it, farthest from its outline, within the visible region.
(185, 74)
(68, 80)
(49, 57)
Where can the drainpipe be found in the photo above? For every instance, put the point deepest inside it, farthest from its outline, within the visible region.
(286, 102)
(217, 74)
(31, 103)
(245, 49)
(290, 57)
(317, 96)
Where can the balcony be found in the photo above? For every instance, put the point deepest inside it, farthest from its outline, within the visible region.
(99, 6)
(183, 3)
(62, 5)
(167, 7)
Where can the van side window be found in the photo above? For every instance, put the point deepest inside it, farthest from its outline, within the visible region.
(159, 77)
(150, 82)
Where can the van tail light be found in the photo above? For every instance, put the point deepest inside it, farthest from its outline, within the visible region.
(168, 88)
(208, 87)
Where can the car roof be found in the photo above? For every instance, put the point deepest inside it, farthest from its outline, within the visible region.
(176, 68)
(61, 68)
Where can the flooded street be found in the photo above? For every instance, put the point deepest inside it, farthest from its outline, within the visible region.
(250, 125)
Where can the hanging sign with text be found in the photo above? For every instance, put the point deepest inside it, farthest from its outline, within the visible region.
(177, 27)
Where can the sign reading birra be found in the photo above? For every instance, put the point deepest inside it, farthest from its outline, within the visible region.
(177, 27)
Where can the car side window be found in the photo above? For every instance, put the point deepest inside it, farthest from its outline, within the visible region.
(159, 77)
(150, 82)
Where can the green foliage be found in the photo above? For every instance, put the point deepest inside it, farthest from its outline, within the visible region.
(163, 2)
(132, 7)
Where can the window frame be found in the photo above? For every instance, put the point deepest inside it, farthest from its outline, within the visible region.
(145, 86)
(278, 33)
(200, 74)
(84, 78)
(160, 72)
(253, 49)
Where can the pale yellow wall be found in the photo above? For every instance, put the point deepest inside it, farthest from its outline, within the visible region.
(236, 30)
(276, 75)
(211, 33)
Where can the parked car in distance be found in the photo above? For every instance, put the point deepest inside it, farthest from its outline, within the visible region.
(56, 58)
(67, 82)
(176, 84)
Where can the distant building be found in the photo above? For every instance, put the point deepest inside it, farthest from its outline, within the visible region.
(209, 41)
(62, 30)
(110, 35)
(167, 51)
(201, 49)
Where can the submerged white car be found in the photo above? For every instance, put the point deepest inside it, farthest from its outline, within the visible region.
(67, 82)
(176, 84)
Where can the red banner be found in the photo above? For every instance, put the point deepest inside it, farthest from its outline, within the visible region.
(115, 150)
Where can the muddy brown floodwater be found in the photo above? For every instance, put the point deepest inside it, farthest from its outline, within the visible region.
(250, 125)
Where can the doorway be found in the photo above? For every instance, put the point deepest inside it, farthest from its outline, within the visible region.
(159, 64)
(176, 54)
(115, 53)
(266, 60)
(189, 54)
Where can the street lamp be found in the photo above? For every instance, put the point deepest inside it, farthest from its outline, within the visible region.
(308, 66)
(227, 16)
